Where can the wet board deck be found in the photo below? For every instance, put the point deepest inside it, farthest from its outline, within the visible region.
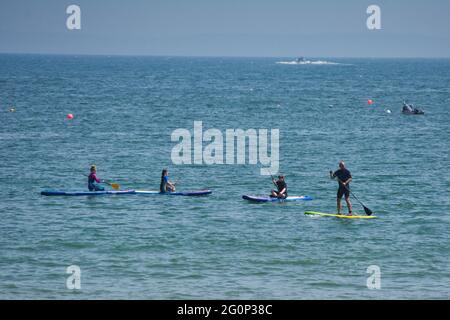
(194, 193)
(271, 199)
(341, 216)
(85, 193)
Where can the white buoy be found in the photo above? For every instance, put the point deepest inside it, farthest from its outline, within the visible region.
(388, 111)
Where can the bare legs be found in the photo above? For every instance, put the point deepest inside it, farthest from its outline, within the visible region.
(349, 205)
(276, 194)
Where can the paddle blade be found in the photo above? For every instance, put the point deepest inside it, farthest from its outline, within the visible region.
(368, 211)
(115, 186)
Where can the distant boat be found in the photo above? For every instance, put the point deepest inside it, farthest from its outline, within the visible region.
(410, 109)
(303, 61)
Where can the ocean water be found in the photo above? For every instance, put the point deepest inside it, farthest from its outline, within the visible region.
(221, 247)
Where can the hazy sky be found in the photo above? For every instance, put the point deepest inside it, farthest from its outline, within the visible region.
(318, 28)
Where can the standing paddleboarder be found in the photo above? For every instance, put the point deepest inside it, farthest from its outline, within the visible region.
(344, 178)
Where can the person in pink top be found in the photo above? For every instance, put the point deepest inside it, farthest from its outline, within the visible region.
(93, 180)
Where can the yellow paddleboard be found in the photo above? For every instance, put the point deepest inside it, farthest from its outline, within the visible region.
(343, 216)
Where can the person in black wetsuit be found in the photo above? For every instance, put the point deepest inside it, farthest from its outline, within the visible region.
(282, 188)
(344, 178)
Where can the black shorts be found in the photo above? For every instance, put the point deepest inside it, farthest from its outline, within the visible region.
(343, 191)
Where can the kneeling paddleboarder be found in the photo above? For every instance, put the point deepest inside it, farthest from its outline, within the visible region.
(344, 178)
(93, 180)
(281, 191)
(166, 185)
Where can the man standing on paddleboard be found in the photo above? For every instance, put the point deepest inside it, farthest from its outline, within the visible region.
(344, 178)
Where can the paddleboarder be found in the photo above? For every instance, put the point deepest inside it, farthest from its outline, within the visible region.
(281, 191)
(93, 180)
(166, 185)
(344, 178)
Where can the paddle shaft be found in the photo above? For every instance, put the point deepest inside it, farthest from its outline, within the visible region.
(367, 210)
(273, 179)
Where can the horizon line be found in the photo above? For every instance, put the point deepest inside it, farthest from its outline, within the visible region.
(215, 56)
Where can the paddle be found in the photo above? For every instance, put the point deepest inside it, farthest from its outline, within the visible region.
(113, 185)
(273, 179)
(366, 210)
(176, 182)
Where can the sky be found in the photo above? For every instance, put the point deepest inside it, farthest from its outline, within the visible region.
(255, 28)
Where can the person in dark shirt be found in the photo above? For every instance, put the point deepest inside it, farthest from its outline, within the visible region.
(344, 178)
(281, 191)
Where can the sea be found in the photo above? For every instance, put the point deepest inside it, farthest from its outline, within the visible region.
(125, 110)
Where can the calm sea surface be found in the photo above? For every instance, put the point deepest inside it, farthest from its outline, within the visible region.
(155, 247)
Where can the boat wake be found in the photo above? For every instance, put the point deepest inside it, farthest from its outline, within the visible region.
(302, 61)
